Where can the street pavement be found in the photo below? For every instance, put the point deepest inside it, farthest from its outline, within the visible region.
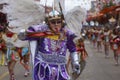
(97, 67)
(19, 73)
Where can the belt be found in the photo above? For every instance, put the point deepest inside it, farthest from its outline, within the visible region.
(53, 58)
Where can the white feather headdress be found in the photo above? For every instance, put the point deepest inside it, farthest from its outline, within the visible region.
(74, 19)
(23, 13)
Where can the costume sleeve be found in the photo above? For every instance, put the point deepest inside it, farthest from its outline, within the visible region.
(36, 28)
(70, 43)
(73, 53)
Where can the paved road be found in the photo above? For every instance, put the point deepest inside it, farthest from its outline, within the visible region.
(97, 67)
(19, 73)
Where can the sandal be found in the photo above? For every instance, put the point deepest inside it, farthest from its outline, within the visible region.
(12, 77)
(26, 73)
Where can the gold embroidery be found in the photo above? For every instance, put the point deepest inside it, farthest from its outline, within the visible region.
(54, 37)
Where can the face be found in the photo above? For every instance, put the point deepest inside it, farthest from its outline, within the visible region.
(55, 25)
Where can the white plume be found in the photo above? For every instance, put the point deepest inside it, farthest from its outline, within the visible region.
(74, 19)
(23, 13)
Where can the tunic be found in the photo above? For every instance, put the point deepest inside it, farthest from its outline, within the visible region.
(50, 56)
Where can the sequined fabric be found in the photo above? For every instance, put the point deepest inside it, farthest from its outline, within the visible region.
(50, 56)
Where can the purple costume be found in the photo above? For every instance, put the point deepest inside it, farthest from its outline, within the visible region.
(50, 55)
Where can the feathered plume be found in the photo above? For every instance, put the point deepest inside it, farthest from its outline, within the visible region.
(23, 13)
(74, 19)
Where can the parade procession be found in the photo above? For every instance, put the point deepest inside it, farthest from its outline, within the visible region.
(59, 39)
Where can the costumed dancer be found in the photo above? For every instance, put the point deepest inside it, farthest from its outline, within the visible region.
(52, 41)
(9, 38)
(82, 53)
(93, 36)
(99, 39)
(24, 59)
(115, 44)
(106, 41)
(22, 48)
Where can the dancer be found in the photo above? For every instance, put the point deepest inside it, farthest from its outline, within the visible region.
(49, 54)
(82, 53)
(24, 59)
(106, 41)
(9, 38)
(115, 44)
